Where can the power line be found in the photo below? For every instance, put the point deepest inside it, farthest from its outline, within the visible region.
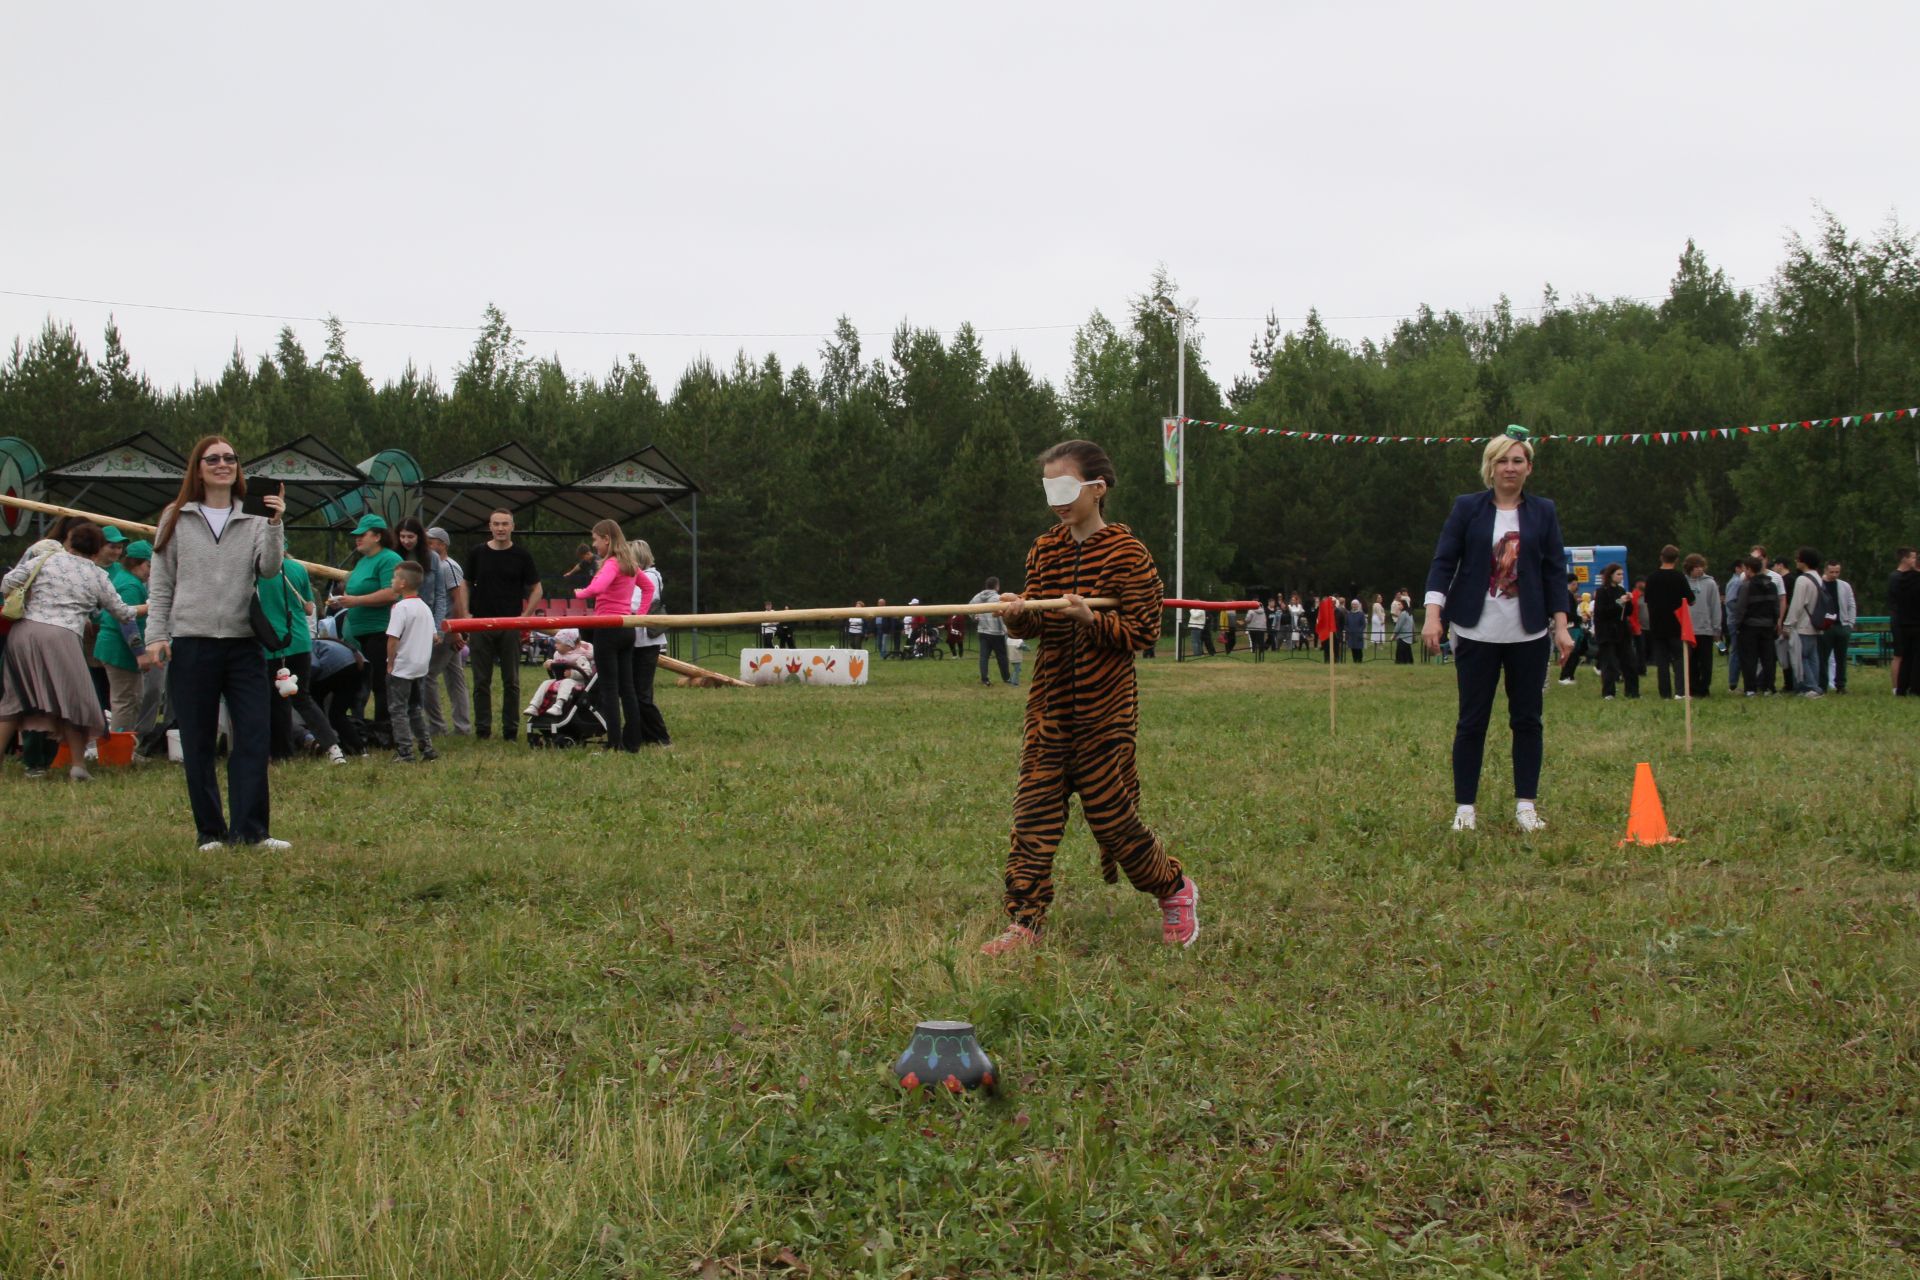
(469, 328)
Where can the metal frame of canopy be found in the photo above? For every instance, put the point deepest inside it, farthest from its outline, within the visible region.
(142, 469)
(637, 485)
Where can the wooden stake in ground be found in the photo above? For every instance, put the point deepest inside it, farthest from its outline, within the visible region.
(47, 508)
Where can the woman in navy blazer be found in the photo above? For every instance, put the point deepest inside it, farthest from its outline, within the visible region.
(1499, 580)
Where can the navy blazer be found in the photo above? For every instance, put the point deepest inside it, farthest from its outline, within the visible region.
(1463, 561)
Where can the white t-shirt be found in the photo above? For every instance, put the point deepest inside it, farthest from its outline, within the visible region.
(410, 625)
(216, 518)
(1500, 614)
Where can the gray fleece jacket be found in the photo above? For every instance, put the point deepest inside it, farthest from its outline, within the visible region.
(201, 586)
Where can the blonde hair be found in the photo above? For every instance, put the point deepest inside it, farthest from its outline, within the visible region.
(642, 553)
(619, 548)
(1497, 449)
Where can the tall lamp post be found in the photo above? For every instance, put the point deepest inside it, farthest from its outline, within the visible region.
(1180, 465)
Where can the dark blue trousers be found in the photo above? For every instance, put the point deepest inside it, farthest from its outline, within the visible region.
(202, 672)
(1480, 667)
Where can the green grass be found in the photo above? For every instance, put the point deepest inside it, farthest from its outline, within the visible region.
(524, 1014)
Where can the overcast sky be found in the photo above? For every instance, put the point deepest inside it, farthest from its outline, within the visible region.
(741, 170)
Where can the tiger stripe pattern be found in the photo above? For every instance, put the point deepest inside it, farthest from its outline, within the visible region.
(1083, 717)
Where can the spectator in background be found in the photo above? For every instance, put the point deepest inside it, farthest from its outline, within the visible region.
(1637, 625)
(1782, 575)
(1403, 638)
(611, 593)
(886, 631)
(784, 633)
(856, 628)
(1256, 625)
(1735, 581)
(1357, 629)
(1707, 612)
(1200, 636)
(1378, 622)
(1756, 616)
(134, 686)
(1017, 653)
(581, 572)
(446, 667)
(410, 633)
(1581, 627)
(1903, 609)
(337, 681)
(1840, 611)
(992, 632)
(502, 582)
(1802, 622)
(769, 628)
(1904, 558)
(369, 597)
(1612, 636)
(649, 588)
(47, 685)
(1666, 590)
(957, 635)
(287, 602)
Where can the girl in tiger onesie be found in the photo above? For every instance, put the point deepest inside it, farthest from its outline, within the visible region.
(1082, 710)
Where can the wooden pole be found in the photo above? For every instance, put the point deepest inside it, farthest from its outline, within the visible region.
(688, 669)
(675, 621)
(1686, 691)
(47, 508)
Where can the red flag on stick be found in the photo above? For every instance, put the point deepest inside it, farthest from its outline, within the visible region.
(1685, 614)
(1323, 626)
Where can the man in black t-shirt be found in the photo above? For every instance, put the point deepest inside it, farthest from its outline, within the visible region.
(502, 582)
(1667, 590)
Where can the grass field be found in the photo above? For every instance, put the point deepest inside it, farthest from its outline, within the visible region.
(521, 1014)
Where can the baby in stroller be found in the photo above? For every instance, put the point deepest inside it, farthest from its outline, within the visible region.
(569, 671)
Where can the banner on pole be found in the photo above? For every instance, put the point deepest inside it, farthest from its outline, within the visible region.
(1170, 447)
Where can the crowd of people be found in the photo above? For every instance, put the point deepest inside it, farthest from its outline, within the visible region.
(210, 639)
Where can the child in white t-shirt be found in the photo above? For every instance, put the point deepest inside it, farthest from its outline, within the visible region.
(409, 653)
(568, 671)
(1016, 654)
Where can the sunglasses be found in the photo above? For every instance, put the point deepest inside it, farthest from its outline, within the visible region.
(220, 459)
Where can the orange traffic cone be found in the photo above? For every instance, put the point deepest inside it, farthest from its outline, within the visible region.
(1646, 817)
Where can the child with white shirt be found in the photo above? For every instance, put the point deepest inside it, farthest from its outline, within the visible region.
(409, 654)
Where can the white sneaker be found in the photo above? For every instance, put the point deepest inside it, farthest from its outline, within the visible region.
(92, 754)
(1566, 682)
(213, 846)
(335, 755)
(1530, 820)
(270, 845)
(1463, 822)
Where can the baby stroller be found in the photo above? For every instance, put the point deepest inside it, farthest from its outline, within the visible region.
(575, 724)
(926, 641)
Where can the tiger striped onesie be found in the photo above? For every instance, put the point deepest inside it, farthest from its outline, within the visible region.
(1083, 716)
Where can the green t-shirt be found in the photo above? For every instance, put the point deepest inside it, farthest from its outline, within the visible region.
(284, 607)
(110, 646)
(372, 574)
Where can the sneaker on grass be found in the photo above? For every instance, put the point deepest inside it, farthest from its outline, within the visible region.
(1180, 914)
(1017, 937)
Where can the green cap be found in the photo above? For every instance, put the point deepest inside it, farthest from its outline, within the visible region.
(1517, 432)
(141, 550)
(368, 522)
(112, 534)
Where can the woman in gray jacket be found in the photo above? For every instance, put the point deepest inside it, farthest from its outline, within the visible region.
(206, 558)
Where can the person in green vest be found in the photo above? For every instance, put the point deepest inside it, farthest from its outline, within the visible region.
(288, 603)
(369, 598)
(134, 686)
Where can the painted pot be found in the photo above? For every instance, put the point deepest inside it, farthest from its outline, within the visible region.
(945, 1055)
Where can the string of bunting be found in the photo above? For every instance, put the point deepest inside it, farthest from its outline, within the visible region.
(1622, 437)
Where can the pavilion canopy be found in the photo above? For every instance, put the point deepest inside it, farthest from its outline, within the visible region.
(509, 476)
(313, 473)
(637, 486)
(137, 476)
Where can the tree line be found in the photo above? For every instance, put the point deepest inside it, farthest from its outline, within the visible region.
(909, 472)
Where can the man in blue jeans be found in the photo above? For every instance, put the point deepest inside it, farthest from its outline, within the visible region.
(993, 633)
